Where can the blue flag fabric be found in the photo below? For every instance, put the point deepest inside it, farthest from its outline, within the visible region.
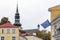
(46, 24)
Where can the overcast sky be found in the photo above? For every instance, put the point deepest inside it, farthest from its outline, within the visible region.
(32, 12)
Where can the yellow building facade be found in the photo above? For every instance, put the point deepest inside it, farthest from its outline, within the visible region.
(55, 11)
(9, 32)
(55, 21)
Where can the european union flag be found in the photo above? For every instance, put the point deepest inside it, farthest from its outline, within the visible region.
(46, 24)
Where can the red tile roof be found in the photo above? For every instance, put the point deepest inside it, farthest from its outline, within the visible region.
(8, 25)
(26, 34)
(21, 31)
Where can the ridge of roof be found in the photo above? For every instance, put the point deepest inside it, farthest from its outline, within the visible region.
(8, 25)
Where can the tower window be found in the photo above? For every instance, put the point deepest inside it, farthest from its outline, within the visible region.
(16, 17)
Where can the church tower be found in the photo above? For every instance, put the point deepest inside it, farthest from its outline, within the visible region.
(17, 18)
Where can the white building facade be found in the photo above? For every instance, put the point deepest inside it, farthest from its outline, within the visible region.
(56, 29)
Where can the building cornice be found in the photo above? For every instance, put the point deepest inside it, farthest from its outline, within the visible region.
(55, 20)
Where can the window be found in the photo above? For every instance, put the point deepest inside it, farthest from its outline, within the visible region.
(17, 20)
(2, 30)
(59, 25)
(8, 30)
(13, 30)
(2, 38)
(55, 27)
(57, 39)
(13, 38)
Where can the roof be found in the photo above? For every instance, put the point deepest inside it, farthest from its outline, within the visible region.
(22, 37)
(57, 8)
(7, 25)
(27, 34)
(21, 31)
(31, 30)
